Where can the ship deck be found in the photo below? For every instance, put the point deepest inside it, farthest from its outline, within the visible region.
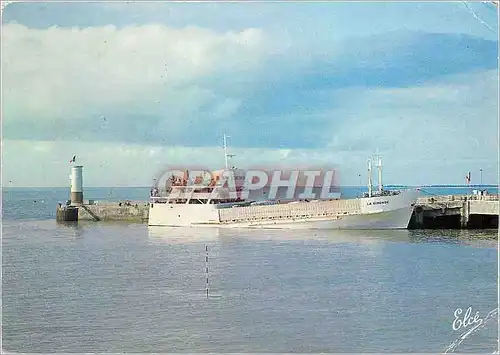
(290, 211)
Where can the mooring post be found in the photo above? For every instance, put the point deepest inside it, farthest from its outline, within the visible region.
(419, 217)
(464, 213)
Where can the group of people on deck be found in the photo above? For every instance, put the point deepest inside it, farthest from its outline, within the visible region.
(176, 181)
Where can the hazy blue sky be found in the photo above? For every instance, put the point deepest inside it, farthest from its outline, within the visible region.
(133, 87)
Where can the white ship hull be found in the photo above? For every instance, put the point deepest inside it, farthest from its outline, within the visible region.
(381, 212)
(396, 219)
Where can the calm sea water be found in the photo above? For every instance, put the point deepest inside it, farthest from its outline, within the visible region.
(115, 287)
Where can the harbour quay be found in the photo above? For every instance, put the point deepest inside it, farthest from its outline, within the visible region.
(126, 211)
(78, 209)
(473, 211)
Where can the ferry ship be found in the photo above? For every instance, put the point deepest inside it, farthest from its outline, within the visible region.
(182, 205)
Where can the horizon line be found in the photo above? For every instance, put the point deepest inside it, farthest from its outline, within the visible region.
(356, 186)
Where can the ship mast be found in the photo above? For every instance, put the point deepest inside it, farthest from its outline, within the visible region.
(380, 186)
(370, 177)
(226, 155)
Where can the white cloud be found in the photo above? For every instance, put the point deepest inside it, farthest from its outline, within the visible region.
(46, 163)
(63, 74)
(92, 79)
(433, 126)
(420, 144)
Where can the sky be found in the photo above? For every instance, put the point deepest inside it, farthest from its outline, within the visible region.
(133, 88)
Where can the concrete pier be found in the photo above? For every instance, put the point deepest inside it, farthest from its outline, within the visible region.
(130, 211)
(456, 212)
(67, 214)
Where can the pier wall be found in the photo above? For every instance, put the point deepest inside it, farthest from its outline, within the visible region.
(456, 212)
(484, 207)
(115, 211)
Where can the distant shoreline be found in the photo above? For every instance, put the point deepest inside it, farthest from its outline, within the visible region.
(485, 186)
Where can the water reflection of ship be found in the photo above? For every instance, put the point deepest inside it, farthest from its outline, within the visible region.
(328, 236)
(187, 235)
(183, 235)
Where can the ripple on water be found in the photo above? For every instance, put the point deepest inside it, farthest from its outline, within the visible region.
(101, 287)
